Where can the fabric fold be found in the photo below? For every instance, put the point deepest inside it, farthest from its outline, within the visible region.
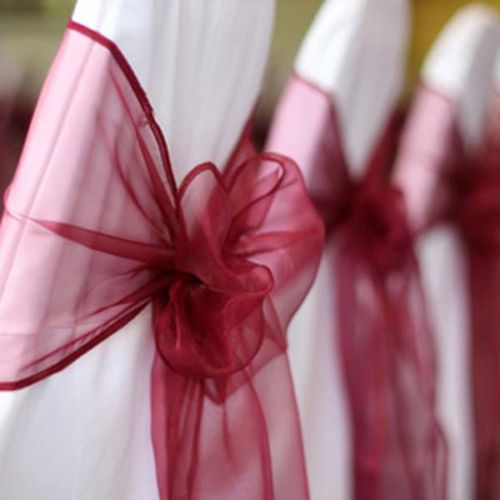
(225, 259)
(381, 337)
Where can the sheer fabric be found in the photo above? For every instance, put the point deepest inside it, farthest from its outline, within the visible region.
(345, 450)
(450, 104)
(477, 211)
(469, 184)
(342, 54)
(386, 346)
(484, 289)
(384, 342)
(312, 345)
(201, 63)
(466, 194)
(225, 259)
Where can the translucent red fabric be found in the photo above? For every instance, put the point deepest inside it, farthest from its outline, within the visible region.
(463, 188)
(95, 229)
(386, 346)
(474, 179)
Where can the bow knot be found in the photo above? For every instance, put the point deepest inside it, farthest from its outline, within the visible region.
(377, 224)
(210, 320)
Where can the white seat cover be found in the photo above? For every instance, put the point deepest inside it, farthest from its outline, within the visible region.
(459, 66)
(84, 433)
(342, 54)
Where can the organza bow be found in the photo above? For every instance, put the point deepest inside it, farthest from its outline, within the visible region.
(225, 259)
(377, 225)
(211, 319)
(387, 352)
(385, 343)
(208, 288)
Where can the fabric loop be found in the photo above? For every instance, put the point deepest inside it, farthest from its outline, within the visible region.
(377, 227)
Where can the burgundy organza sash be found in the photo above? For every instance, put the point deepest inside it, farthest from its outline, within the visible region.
(95, 230)
(385, 343)
(463, 186)
(475, 205)
(388, 353)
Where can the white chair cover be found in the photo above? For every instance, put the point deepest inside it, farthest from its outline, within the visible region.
(341, 55)
(84, 433)
(460, 68)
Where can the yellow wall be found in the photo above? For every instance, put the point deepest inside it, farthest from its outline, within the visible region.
(428, 19)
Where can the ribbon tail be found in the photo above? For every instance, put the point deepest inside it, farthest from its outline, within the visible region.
(243, 445)
(177, 410)
(484, 300)
(387, 359)
(423, 441)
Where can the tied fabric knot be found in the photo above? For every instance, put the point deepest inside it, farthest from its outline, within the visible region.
(386, 349)
(477, 207)
(385, 345)
(224, 260)
(376, 226)
(209, 282)
(242, 237)
(224, 285)
(210, 321)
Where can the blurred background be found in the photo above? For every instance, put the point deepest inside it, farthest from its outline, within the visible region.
(30, 31)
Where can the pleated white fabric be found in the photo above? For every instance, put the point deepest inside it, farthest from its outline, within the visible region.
(84, 433)
(341, 55)
(460, 69)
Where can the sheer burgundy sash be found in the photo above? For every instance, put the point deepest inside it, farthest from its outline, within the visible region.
(465, 187)
(96, 229)
(474, 184)
(386, 346)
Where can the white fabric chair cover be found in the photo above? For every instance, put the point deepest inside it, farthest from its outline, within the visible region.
(342, 55)
(459, 67)
(84, 433)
